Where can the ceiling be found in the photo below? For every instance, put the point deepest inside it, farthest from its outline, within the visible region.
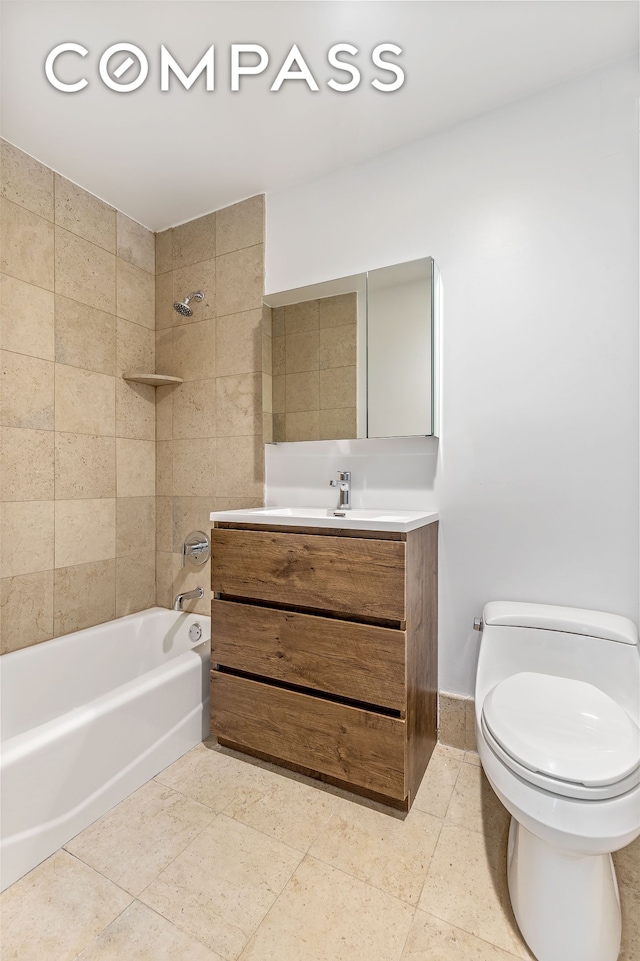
(164, 158)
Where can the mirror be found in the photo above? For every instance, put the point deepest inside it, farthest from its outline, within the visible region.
(354, 357)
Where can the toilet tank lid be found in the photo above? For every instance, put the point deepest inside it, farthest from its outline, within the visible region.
(570, 620)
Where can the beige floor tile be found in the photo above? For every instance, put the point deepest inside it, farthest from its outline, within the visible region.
(390, 852)
(139, 934)
(434, 793)
(467, 886)
(284, 807)
(56, 910)
(135, 841)
(325, 915)
(627, 862)
(433, 940)
(474, 804)
(630, 901)
(472, 757)
(220, 888)
(446, 750)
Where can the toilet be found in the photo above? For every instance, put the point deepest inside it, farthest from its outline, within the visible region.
(557, 704)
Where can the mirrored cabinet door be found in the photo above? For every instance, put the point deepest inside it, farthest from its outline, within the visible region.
(353, 357)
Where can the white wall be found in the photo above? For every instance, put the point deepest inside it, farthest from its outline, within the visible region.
(531, 214)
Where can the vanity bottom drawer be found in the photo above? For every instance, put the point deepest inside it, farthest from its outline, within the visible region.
(357, 746)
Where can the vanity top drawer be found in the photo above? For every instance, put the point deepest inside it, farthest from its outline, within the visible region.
(362, 577)
(343, 742)
(362, 662)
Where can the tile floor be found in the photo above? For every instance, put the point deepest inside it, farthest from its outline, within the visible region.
(219, 858)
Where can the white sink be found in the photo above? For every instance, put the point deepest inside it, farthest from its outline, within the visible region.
(363, 520)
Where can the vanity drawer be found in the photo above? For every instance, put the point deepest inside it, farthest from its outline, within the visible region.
(362, 662)
(348, 575)
(354, 745)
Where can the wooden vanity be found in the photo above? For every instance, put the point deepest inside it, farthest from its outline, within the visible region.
(324, 651)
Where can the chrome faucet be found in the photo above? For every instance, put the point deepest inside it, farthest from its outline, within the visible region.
(186, 596)
(344, 486)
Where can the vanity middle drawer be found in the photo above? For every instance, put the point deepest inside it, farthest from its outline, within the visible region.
(361, 662)
(347, 575)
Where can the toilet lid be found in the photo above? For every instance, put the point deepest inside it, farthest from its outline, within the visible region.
(563, 728)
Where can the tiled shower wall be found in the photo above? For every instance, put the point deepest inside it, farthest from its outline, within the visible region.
(210, 453)
(78, 442)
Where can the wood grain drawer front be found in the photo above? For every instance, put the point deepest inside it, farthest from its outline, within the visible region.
(344, 742)
(358, 661)
(347, 575)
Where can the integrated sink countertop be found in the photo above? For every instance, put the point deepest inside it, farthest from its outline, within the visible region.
(361, 520)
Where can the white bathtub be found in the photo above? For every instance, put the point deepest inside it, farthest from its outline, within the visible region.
(90, 717)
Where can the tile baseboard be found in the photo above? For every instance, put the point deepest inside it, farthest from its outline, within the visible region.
(457, 721)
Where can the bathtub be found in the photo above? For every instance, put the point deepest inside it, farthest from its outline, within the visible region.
(90, 717)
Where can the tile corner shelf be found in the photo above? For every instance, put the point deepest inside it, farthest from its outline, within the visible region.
(154, 380)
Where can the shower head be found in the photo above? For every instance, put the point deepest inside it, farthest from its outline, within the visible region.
(182, 306)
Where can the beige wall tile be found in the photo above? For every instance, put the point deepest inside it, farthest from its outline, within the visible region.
(194, 350)
(85, 531)
(278, 394)
(194, 409)
(136, 348)
(240, 280)
(452, 720)
(279, 365)
(136, 294)
(302, 351)
(267, 321)
(302, 391)
(302, 425)
(187, 280)
(240, 467)
(26, 245)
(85, 401)
(338, 346)
(135, 243)
(25, 523)
(267, 428)
(83, 595)
(135, 583)
(164, 579)
(84, 214)
(194, 467)
(25, 181)
(302, 316)
(240, 225)
(340, 423)
(164, 301)
(279, 428)
(26, 610)
(277, 322)
(164, 251)
(26, 461)
(27, 391)
(135, 525)
(164, 468)
(194, 241)
(189, 577)
(164, 352)
(85, 272)
(26, 318)
(164, 413)
(239, 343)
(237, 503)
(338, 311)
(135, 410)
(239, 405)
(471, 741)
(164, 524)
(337, 387)
(135, 467)
(267, 394)
(267, 355)
(189, 514)
(85, 466)
(84, 337)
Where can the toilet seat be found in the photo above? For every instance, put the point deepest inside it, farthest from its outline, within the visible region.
(564, 735)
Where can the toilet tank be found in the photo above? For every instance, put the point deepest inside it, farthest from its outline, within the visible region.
(591, 646)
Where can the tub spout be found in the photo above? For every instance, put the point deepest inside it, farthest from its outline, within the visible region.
(186, 596)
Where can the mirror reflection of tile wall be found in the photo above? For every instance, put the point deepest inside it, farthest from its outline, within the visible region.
(314, 369)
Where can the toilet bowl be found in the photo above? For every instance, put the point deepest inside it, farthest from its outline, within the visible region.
(557, 703)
